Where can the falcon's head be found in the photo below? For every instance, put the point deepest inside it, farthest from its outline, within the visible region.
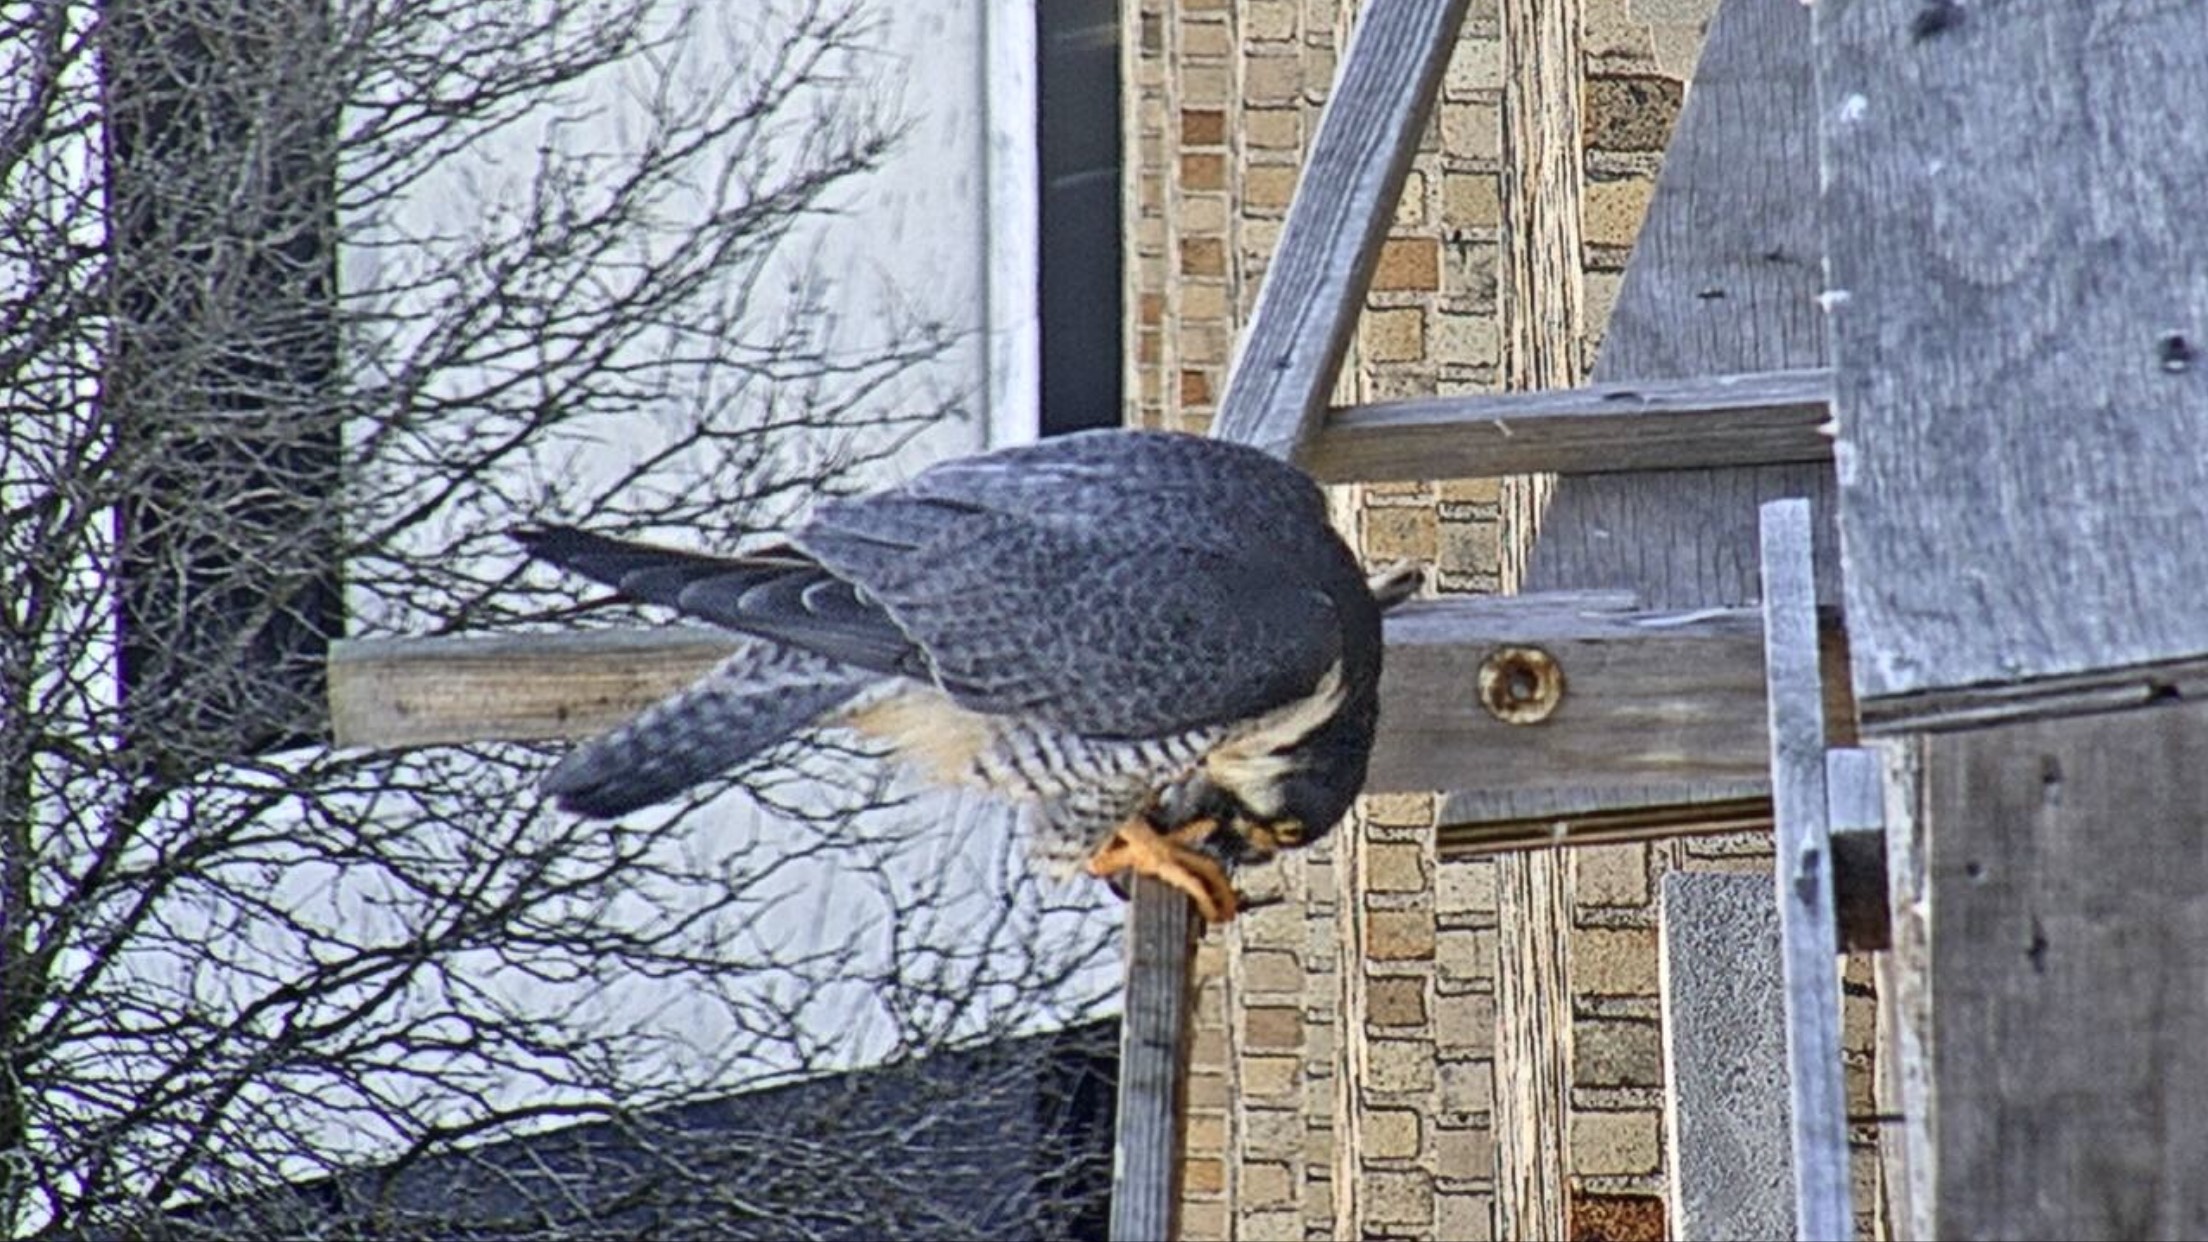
(1291, 779)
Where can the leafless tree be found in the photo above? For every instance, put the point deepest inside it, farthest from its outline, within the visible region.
(262, 391)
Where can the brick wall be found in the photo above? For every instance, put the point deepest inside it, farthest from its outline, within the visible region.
(1342, 1076)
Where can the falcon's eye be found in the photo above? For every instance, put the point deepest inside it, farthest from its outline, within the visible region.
(1287, 831)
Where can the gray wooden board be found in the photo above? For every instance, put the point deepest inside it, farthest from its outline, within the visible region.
(1153, 1037)
(1652, 425)
(1802, 874)
(1728, 1159)
(1345, 201)
(2069, 976)
(1668, 700)
(1724, 279)
(2016, 193)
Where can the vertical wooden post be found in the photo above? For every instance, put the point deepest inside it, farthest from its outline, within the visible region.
(1803, 874)
(1153, 1053)
(1544, 333)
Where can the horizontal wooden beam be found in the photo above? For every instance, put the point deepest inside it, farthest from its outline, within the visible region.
(1526, 692)
(1765, 418)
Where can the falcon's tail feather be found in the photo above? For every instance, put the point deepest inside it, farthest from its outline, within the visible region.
(749, 702)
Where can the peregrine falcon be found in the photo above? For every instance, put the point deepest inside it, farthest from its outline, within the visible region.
(1155, 643)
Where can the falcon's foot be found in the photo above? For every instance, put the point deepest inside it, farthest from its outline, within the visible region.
(1139, 848)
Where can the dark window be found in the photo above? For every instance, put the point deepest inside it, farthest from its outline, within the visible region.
(1077, 136)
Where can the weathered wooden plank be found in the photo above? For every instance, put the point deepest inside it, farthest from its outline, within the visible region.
(1649, 698)
(1345, 200)
(1153, 1048)
(1729, 1152)
(1726, 420)
(1655, 699)
(2069, 976)
(2020, 330)
(1533, 1049)
(1724, 279)
(521, 687)
(1543, 307)
(1802, 871)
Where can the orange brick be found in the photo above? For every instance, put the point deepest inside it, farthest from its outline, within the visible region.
(1203, 256)
(1201, 171)
(1204, 127)
(1408, 263)
(1273, 1028)
(1195, 388)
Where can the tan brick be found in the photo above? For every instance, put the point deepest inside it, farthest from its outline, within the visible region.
(1207, 1091)
(1270, 1225)
(1207, 1047)
(1267, 1185)
(1466, 1087)
(1400, 810)
(1614, 961)
(1396, 867)
(1203, 215)
(1273, 1132)
(1468, 546)
(1270, 1077)
(1390, 1134)
(1394, 335)
(1463, 1153)
(1610, 875)
(1401, 534)
(1205, 39)
(1470, 491)
(1472, 130)
(1205, 301)
(1203, 127)
(1203, 256)
(1273, 129)
(1399, 1197)
(1631, 113)
(1399, 935)
(1203, 170)
(1206, 1133)
(1614, 1144)
(1204, 1175)
(1195, 388)
(1272, 79)
(1464, 888)
(1465, 956)
(1273, 1028)
(1469, 340)
(1476, 66)
(1464, 1022)
(1268, 187)
(1269, 20)
(1408, 263)
(1464, 1218)
(1613, 210)
(1206, 86)
(1396, 1001)
(1271, 970)
(1203, 1220)
(1472, 200)
(1410, 209)
(1617, 1054)
(1399, 1065)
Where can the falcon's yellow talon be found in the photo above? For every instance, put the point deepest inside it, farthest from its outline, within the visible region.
(1139, 848)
